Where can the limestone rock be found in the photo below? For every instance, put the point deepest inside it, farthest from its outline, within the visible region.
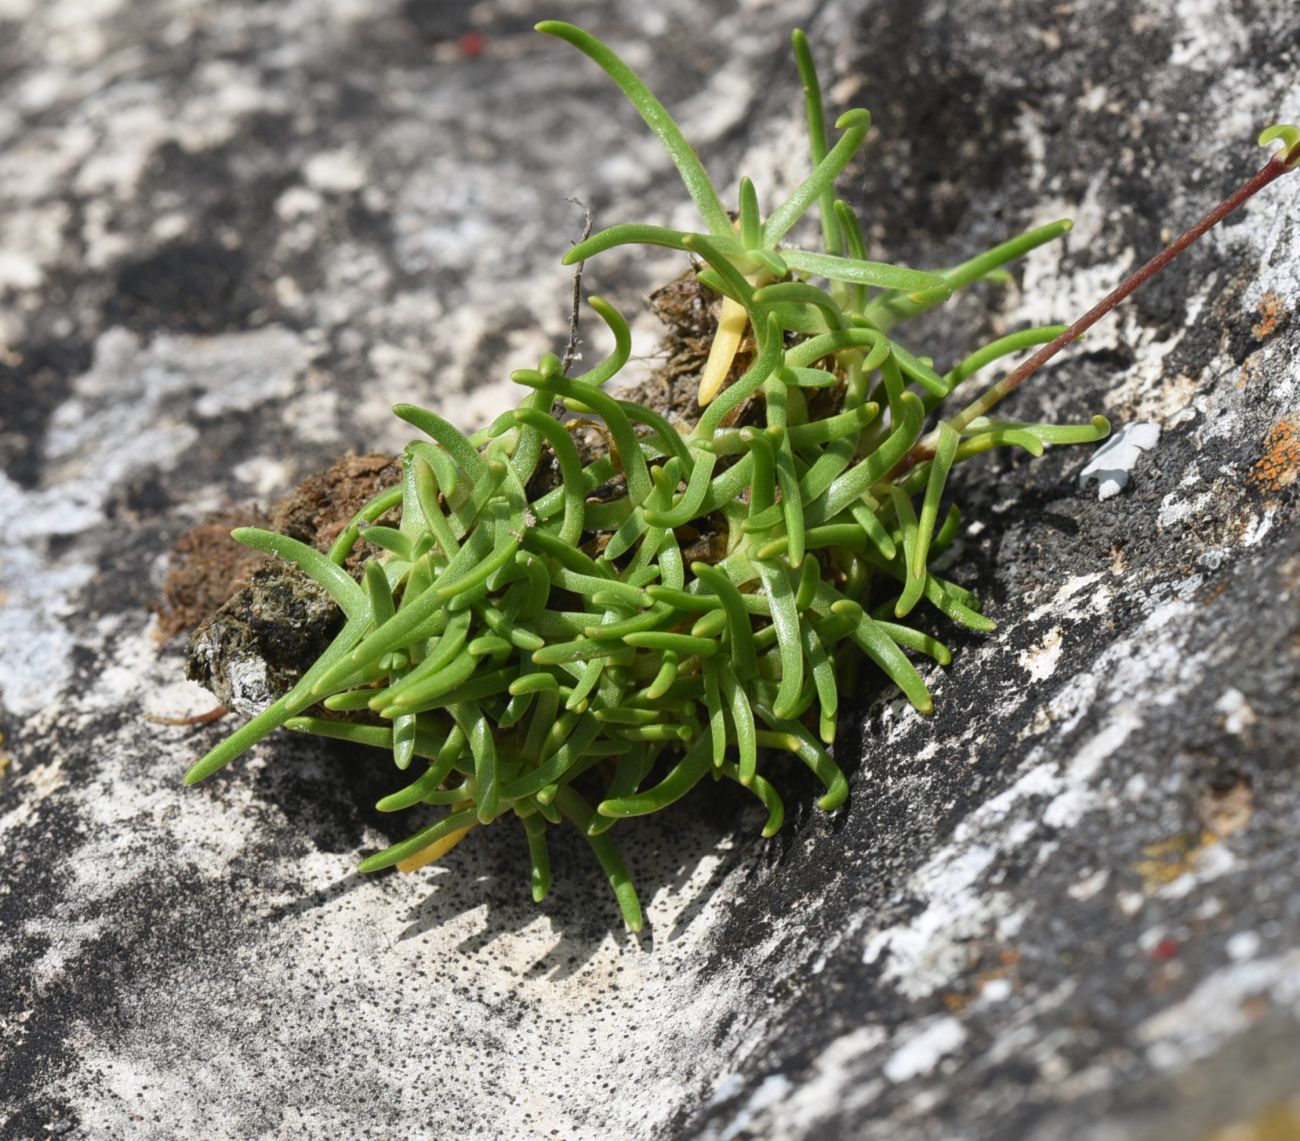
(1066, 906)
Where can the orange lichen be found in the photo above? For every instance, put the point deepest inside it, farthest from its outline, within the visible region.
(1273, 314)
(1214, 592)
(1279, 466)
(1006, 960)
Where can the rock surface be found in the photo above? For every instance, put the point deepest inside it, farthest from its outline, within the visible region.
(1066, 906)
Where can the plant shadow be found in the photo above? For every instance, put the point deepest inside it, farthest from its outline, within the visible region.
(678, 859)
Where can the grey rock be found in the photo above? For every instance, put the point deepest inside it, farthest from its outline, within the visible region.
(260, 642)
(1065, 906)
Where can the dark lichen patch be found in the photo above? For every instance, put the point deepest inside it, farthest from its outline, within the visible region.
(947, 134)
(231, 188)
(34, 380)
(325, 797)
(161, 924)
(40, 1048)
(217, 276)
(187, 286)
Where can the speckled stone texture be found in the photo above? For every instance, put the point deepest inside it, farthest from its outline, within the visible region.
(231, 235)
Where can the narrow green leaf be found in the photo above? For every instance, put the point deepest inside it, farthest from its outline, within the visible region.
(879, 274)
(740, 634)
(855, 482)
(476, 726)
(657, 119)
(535, 830)
(751, 224)
(855, 125)
(421, 840)
(611, 365)
(785, 620)
(742, 721)
(328, 575)
(794, 738)
(576, 809)
(683, 777)
(449, 436)
(816, 122)
(944, 454)
(766, 794)
(385, 501)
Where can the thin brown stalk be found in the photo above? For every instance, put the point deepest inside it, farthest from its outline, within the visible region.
(1273, 169)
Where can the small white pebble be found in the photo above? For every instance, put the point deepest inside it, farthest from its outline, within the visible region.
(1053, 1068)
(1089, 886)
(1151, 937)
(1164, 1055)
(1110, 466)
(1236, 710)
(1130, 902)
(334, 172)
(297, 202)
(996, 990)
(1242, 946)
(923, 1050)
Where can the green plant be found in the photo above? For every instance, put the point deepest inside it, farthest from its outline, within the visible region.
(686, 604)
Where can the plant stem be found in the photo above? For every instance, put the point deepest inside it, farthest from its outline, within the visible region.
(1274, 168)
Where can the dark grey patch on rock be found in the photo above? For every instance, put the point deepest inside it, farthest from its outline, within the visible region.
(121, 582)
(34, 381)
(192, 287)
(446, 21)
(145, 497)
(231, 185)
(30, 1064)
(947, 135)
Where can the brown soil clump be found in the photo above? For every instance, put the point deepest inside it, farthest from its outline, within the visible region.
(320, 507)
(259, 623)
(207, 566)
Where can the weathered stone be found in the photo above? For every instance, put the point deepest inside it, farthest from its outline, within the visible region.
(1067, 905)
(261, 641)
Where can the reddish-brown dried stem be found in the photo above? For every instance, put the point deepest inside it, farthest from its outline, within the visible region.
(194, 719)
(1275, 168)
